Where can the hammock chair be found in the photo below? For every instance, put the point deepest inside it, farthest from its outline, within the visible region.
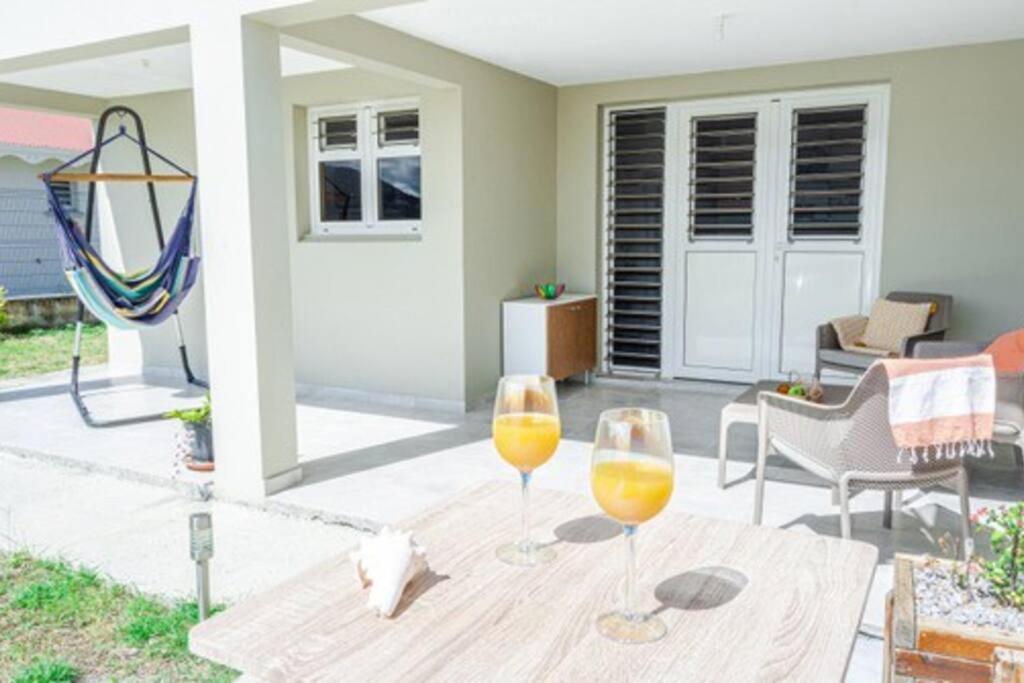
(125, 301)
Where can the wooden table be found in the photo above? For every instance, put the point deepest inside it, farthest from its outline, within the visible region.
(744, 409)
(741, 602)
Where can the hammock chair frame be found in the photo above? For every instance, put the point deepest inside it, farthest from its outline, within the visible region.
(149, 178)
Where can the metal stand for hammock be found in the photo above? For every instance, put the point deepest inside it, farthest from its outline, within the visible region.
(149, 179)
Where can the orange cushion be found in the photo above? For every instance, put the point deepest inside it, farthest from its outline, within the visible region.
(1008, 352)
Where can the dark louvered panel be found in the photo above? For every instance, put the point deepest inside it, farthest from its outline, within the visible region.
(827, 173)
(722, 153)
(636, 177)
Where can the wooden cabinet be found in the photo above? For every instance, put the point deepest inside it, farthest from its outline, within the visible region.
(556, 338)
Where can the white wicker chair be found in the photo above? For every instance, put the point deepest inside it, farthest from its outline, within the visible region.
(849, 445)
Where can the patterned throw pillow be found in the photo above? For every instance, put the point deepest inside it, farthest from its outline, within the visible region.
(892, 321)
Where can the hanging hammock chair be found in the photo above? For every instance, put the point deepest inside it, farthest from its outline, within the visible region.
(133, 300)
(141, 299)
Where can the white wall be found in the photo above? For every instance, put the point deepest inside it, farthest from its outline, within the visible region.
(419, 317)
(508, 156)
(381, 315)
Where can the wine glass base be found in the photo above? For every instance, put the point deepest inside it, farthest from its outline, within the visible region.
(518, 555)
(636, 628)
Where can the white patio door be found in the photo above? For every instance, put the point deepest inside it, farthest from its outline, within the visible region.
(774, 229)
(828, 218)
(722, 238)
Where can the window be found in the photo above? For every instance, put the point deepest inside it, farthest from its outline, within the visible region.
(66, 194)
(722, 176)
(827, 173)
(365, 169)
(635, 187)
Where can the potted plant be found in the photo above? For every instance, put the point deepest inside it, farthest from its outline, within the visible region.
(961, 621)
(195, 443)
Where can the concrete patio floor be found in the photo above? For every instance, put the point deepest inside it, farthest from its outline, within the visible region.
(370, 463)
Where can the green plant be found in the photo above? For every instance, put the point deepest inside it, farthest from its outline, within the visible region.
(3, 305)
(1005, 571)
(199, 416)
(46, 671)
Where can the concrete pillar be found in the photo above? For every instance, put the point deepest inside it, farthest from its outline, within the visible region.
(236, 75)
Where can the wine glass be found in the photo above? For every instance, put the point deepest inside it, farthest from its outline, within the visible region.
(631, 475)
(526, 433)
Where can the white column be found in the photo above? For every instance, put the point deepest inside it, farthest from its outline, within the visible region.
(247, 278)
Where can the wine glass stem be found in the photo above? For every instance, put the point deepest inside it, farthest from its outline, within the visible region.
(629, 533)
(525, 544)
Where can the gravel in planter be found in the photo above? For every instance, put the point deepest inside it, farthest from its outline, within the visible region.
(939, 594)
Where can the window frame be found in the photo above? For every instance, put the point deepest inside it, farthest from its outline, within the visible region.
(368, 152)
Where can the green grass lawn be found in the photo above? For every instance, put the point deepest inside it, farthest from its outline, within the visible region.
(58, 623)
(37, 351)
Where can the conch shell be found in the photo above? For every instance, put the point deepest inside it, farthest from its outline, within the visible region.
(387, 563)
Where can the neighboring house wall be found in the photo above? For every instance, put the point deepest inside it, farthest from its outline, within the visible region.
(30, 264)
(953, 181)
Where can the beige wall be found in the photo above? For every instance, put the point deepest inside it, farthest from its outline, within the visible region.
(381, 315)
(127, 234)
(508, 166)
(413, 317)
(953, 221)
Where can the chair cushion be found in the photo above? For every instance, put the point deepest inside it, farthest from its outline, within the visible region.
(850, 359)
(891, 322)
(849, 330)
(1008, 352)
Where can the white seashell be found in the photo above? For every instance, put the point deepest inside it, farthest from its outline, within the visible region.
(387, 563)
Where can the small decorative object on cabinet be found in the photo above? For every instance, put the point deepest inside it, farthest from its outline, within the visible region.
(550, 290)
(556, 338)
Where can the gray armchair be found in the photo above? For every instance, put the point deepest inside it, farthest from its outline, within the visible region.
(828, 353)
(851, 447)
(1009, 422)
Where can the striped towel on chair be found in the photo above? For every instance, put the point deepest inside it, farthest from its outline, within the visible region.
(942, 408)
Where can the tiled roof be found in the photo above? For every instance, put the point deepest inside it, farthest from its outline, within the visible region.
(23, 128)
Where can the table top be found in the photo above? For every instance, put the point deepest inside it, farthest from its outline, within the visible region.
(741, 603)
(834, 393)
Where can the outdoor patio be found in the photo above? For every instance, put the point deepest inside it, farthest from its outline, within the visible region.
(366, 464)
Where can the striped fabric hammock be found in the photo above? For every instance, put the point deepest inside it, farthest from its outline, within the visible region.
(126, 301)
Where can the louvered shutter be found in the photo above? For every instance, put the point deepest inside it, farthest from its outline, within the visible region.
(636, 179)
(722, 156)
(827, 173)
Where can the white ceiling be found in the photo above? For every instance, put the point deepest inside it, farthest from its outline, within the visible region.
(152, 70)
(579, 41)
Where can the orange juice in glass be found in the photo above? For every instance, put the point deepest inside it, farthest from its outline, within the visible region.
(632, 475)
(526, 434)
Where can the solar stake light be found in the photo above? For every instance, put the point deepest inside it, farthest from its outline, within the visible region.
(200, 531)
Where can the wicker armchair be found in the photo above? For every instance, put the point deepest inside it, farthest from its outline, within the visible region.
(850, 446)
(828, 354)
(1009, 422)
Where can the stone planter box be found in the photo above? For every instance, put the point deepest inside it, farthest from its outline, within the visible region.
(922, 648)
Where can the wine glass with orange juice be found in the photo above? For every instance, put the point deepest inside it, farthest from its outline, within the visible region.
(632, 474)
(526, 433)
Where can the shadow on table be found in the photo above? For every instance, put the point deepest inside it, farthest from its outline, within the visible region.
(700, 589)
(590, 529)
(420, 584)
